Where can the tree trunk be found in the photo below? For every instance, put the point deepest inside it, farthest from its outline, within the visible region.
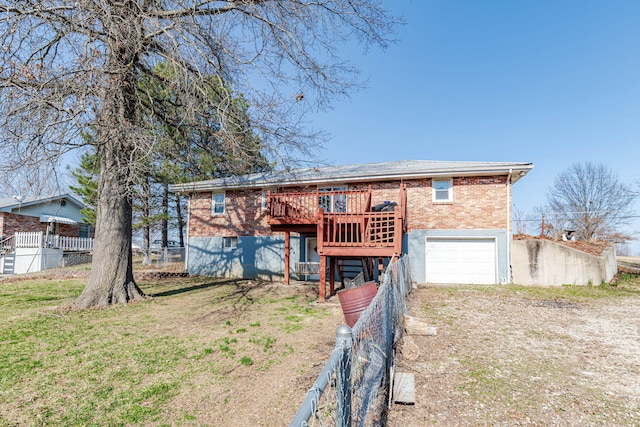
(111, 279)
(146, 229)
(165, 214)
(180, 220)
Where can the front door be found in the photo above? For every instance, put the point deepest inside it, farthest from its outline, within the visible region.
(312, 255)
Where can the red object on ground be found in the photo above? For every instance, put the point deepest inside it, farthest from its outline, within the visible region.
(355, 301)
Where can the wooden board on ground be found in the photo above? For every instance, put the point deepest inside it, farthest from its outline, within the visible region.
(415, 326)
(404, 388)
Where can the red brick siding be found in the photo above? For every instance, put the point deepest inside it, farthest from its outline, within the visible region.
(12, 223)
(478, 203)
(242, 216)
(70, 230)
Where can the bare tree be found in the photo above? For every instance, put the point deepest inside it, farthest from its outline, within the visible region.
(589, 199)
(72, 65)
(519, 221)
(43, 179)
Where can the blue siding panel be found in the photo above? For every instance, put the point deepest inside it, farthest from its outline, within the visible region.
(254, 257)
(263, 256)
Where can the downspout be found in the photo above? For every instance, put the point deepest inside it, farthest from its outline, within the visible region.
(186, 248)
(508, 278)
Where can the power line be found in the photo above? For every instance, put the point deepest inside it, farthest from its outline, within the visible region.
(565, 213)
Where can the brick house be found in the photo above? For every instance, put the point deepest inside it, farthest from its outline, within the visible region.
(452, 218)
(59, 215)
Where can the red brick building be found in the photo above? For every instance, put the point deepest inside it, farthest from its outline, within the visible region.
(59, 214)
(452, 218)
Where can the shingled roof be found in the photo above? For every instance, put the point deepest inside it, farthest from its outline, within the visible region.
(7, 204)
(369, 172)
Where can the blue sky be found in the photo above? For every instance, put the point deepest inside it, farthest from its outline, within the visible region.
(547, 82)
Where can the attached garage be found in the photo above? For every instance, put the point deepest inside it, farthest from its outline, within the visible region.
(461, 260)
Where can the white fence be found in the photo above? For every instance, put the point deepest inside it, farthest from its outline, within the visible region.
(39, 240)
(28, 240)
(27, 252)
(71, 243)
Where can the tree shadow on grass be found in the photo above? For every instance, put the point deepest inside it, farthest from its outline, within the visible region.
(192, 288)
(235, 297)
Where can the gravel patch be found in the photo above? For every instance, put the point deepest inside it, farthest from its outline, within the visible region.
(511, 359)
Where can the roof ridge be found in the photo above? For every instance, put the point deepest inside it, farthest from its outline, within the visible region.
(392, 170)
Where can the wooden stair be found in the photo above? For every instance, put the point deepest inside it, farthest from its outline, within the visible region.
(349, 268)
(8, 261)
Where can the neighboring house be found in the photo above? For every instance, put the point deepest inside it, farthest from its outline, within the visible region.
(38, 233)
(452, 218)
(53, 215)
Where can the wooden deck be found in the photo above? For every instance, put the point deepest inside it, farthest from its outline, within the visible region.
(360, 234)
(345, 225)
(298, 208)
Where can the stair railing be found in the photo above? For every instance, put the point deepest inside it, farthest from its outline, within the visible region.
(7, 244)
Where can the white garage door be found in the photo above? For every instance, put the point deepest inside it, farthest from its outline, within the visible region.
(471, 261)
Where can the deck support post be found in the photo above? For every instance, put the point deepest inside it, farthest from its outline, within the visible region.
(323, 278)
(287, 256)
(332, 276)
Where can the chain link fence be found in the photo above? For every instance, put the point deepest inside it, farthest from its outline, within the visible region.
(354, 388)
(161, 258)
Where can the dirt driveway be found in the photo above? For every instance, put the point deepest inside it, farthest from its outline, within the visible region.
(524, 356)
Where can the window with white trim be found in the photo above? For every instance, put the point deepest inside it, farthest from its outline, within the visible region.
(230, 242)
(333, 202)
(217, 204)
(263, 200)
(442, 190)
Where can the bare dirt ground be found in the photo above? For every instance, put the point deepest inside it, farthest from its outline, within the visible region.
(521, 358)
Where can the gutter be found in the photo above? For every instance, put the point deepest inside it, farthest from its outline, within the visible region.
(209, 186)
(509, 237)
(188, 236)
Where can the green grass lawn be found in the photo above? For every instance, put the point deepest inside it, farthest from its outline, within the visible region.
(127, 365)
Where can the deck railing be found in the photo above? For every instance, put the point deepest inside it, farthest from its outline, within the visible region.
(304, 206)
(346, 222)
(71, 243)
(38, 239)
(365, 229)
(28, 239)
(6, 244)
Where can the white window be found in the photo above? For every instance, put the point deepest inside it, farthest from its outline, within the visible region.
(217, 207)
(443, 190)
(263, 201)
(333, 202)
(230, 242)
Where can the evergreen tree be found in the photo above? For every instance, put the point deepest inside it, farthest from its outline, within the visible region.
(86, 176)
